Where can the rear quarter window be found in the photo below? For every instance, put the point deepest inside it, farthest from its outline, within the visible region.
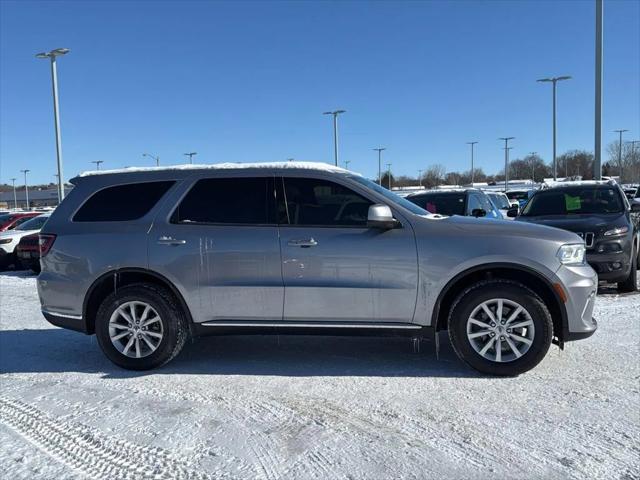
(122, 202)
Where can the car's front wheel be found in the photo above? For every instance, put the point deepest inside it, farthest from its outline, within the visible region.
(140, 327)
(500, 327)
(630, 284)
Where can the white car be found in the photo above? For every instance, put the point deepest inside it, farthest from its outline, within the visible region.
(9, 240)
(502, 203)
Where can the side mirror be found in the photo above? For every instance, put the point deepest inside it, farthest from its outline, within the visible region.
(380, 216)
(478, 212)
(635, 207)
(512, 212)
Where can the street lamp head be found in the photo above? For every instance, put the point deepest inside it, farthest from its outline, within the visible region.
(566, 77)
(545, 80)
(53, 53)
(336, 112)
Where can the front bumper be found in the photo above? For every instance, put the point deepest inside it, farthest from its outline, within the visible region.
(581, 285)
(610, 267)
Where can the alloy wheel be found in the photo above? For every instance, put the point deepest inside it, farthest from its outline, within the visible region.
(136, 329)
(500, 330)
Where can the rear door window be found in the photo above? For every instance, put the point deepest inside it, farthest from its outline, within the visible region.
(122, 202)
(238, 201)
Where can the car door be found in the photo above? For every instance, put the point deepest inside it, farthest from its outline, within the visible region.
(220, 245)
(335, 268)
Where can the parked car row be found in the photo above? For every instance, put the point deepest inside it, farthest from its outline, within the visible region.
(12, 249)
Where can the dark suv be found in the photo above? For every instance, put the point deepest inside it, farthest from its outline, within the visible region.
(600, 213)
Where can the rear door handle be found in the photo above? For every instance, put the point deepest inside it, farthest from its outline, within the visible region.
(306, 243)
(164, 240)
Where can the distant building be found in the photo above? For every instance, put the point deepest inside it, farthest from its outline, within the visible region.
(45, 197)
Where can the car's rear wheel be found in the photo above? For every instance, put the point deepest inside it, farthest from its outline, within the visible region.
(140, 327)
(500, 327)
(631, 282)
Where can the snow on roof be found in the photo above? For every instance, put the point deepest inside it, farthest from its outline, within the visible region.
(578, 183)
(318, 166)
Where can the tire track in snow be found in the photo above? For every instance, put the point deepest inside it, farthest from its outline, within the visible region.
(94, 454)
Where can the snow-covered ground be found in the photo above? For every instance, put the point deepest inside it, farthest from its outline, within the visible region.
(313, 407)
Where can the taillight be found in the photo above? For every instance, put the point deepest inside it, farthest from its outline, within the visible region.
(46, 242)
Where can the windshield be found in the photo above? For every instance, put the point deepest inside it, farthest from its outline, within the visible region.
(574, 201)
(441, 203)
(500, 200)
(35, 223)
(519, 195)
(5, 218)
(388, 194)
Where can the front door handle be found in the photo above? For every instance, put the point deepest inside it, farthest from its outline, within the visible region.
(306, 243)
(164, 240)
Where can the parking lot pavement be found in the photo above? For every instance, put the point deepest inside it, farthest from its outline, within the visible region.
(313, 407)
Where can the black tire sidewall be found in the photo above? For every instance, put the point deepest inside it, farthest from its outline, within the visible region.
(473, 297)
(169, 316)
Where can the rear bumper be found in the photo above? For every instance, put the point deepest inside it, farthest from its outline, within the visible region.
(71, 322)
(5, 258)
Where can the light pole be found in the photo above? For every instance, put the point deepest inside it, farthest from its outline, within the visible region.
(346, 164)
(554, 80)
(26, 188)
(380, 150)
(620, 150)
(15, 198)
(190, 155)
(420, 177)
(157, 159)
(472, 170)
(97, 162)
(335, 114)
(56, 111)
(389, 175)
(533, 166)
(506, 160)
(597, 147)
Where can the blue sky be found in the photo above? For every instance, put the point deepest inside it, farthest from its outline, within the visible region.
(248, 81)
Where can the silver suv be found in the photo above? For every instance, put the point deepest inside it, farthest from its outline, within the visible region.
(147, 259)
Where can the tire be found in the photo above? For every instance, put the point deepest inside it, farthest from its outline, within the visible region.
(538, 332)
(630, 284)
(171, 327)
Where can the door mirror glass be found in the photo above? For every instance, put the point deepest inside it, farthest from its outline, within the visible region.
(380, 216)
(512, 212)
(478, 212)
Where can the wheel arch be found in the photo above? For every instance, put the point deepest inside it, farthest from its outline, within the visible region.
(112, 280)
(528, 276)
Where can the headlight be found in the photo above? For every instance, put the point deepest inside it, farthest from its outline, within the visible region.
(5, 240)
(616, 231)
(572, 254)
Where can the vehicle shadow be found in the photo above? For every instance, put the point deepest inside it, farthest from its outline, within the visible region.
(58, 351)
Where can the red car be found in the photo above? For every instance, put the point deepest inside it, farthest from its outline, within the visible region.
(9, 221)
(28, 252)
